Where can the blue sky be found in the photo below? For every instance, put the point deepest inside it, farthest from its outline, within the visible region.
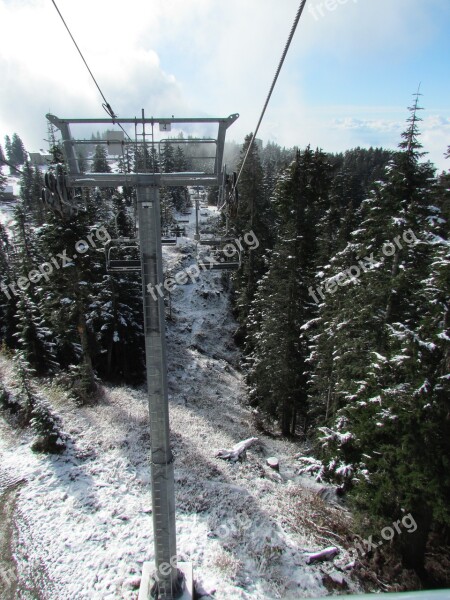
(347, 81)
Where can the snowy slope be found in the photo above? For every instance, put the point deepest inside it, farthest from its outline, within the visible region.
(84, 518)
(6, 214)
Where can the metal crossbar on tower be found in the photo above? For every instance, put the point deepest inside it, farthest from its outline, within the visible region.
(168, 578)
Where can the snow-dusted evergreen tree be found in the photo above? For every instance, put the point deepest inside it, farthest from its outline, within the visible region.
(3, 178)
(33, 336)
(100, 160)
(18, 153)
(15, 152)
(253, 213)
(47, 427)
(277, 339)
(385, 333)
(172, 161)
(66, 292)
(167, 207)
(146, 159)
(29, 330)
(8, 152)
(31, 183)
(34, 410)
(26, 399)
(167, 158)
(8, 298)
(26, 184)
(180, 162)
(114, 315)
(124, 165)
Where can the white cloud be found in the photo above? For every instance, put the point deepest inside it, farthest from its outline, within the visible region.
(188, 57)
(41, 71)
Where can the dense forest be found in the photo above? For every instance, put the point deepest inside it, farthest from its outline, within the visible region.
(342, 310)
(344, 322)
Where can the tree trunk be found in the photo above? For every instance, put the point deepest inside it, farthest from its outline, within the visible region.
(294, 420)
(286, 418)
(413, 545)
(84, 341)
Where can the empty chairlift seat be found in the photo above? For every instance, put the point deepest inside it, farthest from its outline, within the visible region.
(122, 255)
(223, 262)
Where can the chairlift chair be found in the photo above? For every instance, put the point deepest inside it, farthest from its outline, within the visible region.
(178, 231)
(116, 255)
(168, 236)
(169, 241)
(215, 242)
(223, 262)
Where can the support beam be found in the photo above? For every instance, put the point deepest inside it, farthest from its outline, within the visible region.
(169, 580)
(91, 180)
(150, 120)
(69, 149)
(162, 476)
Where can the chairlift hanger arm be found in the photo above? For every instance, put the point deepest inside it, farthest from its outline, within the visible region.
(91, 180)
(174, 141)
(76, 179)
(227, 121)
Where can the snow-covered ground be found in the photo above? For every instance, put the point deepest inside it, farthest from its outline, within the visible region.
(6, 208)
(83, 519)
(6, 214)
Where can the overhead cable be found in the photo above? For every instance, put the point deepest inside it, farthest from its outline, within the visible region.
(105, 105)
(280, 65)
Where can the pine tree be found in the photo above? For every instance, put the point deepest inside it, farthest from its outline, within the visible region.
(180, 163)
(388, 330)
(82, 160)
(36, 411)
(47, 425)
(277, 339)
(2, 160)
(55, 146)
(34, 338)
(36, 195)
(145, 159)
(114, 315)
(124, 166)
(3, 181)
(8, 298)
(100, 160)
(167, 158)
(9, 155)
(65, 295)
(167, 207)
(17, 150)
(26, 187)
(254, 214)
(172, 197)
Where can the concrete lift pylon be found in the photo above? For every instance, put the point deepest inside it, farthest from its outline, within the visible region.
(169, 582)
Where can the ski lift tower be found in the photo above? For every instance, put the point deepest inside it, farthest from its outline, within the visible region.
(168, 582)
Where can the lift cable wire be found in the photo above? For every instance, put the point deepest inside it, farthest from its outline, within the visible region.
(3, 161)
(105, 105)
(285, 51)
